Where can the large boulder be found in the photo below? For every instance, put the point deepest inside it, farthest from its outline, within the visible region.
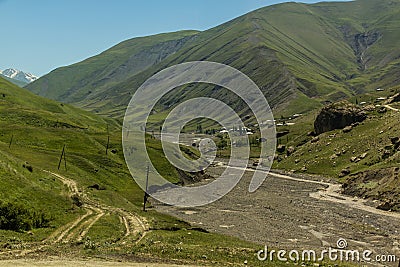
(338, 116)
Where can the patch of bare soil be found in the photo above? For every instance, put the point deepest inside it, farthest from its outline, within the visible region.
(83, 263)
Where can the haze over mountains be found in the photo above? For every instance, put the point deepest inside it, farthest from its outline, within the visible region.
(300, 55)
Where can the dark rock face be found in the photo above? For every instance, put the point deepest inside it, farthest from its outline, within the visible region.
(344, 172)
(360, 42)
(338, 116)
(385, 206)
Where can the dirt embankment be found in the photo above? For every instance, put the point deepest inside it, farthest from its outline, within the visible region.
(382, 185)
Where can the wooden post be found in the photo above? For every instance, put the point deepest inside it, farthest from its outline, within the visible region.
(146, 195)
(65, 161)
(108, 140)
(108, 143)
(61, 157)
(12, 137)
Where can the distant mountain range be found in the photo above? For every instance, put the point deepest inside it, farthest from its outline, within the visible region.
(300, 55)
(18, 77)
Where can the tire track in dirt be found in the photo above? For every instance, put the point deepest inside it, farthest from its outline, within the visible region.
(80, 227)
(72, 226)
(77, 229)
(125, 222)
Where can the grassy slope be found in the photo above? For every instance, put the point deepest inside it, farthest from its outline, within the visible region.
(380, 58)
(365, 138)
(370, 136)
(14, 81)
(362, 149)
(238, 43)
(40, 128)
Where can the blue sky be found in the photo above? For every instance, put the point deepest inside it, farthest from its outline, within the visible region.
(39, 36)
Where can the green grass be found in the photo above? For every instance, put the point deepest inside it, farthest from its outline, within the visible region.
(213, 248)
(107, 230)
(365, 138)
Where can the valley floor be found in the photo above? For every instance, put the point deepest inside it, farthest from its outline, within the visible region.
(296, 212)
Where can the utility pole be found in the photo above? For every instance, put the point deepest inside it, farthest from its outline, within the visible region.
(65, 161)
(146, 195)
(61, 157)
(12, 137)
(108, 143)
(108, 140)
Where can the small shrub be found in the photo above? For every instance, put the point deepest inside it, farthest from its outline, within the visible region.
(15, 217)
(76, 200)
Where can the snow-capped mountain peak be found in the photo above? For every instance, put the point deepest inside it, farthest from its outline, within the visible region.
(19, 75)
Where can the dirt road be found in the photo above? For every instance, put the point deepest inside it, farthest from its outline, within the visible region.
(76, 263)
(77, 229)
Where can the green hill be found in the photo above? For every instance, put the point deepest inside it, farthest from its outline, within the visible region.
(300, 55)
(90, 206)
(96, 74)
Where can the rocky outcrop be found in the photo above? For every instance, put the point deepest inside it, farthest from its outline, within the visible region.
(338, 116)
(188, 178)
(360, 42)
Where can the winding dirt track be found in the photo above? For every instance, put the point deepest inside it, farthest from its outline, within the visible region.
(77, 229)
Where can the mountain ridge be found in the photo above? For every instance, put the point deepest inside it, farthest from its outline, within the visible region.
(95, 70)
(300, 55)
(17, 76)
